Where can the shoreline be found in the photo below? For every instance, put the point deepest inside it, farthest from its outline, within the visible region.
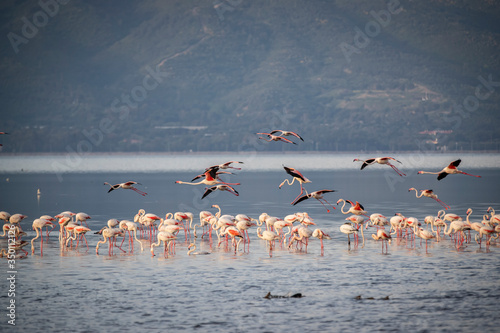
(305, 152)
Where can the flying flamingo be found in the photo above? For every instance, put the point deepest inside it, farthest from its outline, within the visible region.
(449, 170)
(380, 160)
(126, 186)
(227, 165)
(38, 224)
(297, 176)
(286, 133)
(356, 209)
(210, 178)
(320, 234)
(220, 187)
(428, 194)
(318, 195)
(271, 137)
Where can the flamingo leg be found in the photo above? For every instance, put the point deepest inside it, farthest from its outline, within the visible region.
(468, 174)
(138, 191)
(396, 169)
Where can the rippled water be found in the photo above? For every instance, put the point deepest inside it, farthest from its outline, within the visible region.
(442, 290)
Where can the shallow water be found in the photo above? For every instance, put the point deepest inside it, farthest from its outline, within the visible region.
(444, 289)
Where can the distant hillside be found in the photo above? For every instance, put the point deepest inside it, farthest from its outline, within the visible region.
(207, 75)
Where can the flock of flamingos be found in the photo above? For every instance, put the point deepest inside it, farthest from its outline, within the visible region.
(293, 231)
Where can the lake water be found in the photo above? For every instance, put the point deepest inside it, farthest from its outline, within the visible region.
(444, 289)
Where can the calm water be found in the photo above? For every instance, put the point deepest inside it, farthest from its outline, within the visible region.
(442, 290)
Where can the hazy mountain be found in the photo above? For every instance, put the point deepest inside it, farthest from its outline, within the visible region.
(207, 75)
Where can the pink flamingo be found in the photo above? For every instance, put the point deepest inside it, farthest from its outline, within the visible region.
(380, 160)
(220, 187)
(320, 234)
(271, 137)
(356, 208)
(38, 224)
(383, 236)
(297, 176)
(318, 195)
(449, 170)
(287, 133)
(168, 239)
(428, 194)
(127, 185)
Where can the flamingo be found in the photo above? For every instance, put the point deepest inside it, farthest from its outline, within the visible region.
(487, 230)
(449, 170)
(131, 226)
(356, 209)
(16, 219)
(303, 233)
(428, 194)
(269, 237)
(348, 229)
(494, 218)
(271, 137)
(5, 216)
(82, 218)
(423, 234)
(167, 239)
(192, 249)
(210, 179)
(287, 133)
(38, 224)
(297, 176)
(126, 186)
(220, 187)
(233, 232)
(320, 234)
(79, 230)
(108, 233)
(227, 165)
(380, 160)
(318, 195)
(358, 220)
(383, 236)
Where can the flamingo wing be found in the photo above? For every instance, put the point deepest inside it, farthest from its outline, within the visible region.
(302, 198)
(441, 175)
(209, 190)
(454, 164)
(294, 173)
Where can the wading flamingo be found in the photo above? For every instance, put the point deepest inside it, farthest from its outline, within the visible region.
(383, 236)
(449, 170)
(167, 239)
(320, 234)
(348, 229)
(494, 218)
(38, 224)
(269, 237)
(127, 185)
(428, 194)
(380, 160)
(192, 249)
